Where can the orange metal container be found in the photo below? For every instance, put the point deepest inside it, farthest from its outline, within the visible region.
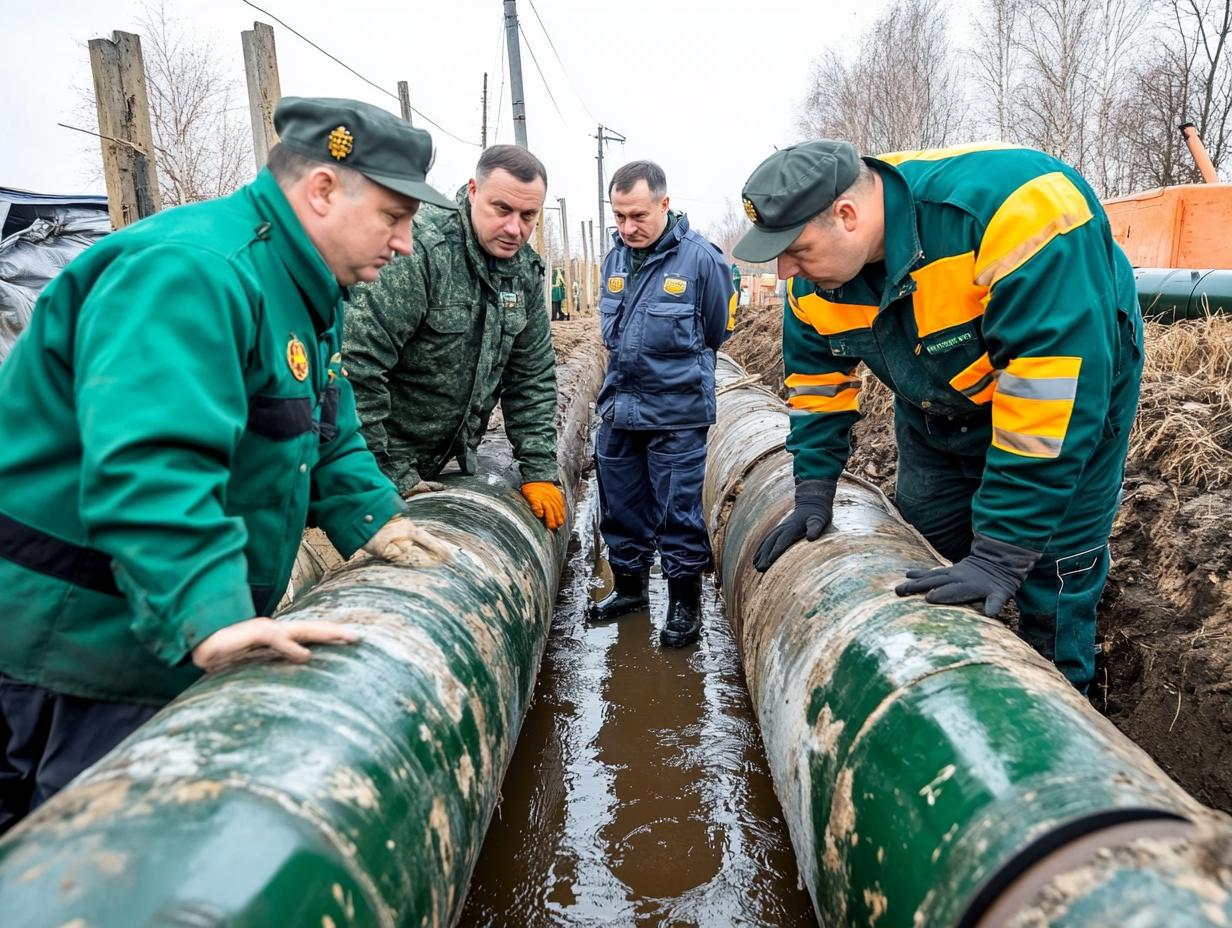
(1186, 226)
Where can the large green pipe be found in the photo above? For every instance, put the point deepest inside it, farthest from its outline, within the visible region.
(1170, 294)
(353, 790)
(927, 760)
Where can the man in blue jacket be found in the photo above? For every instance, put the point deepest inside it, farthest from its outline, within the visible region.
(667, 305)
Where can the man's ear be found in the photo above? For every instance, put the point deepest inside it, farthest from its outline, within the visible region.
(321, 188)
(847, 213)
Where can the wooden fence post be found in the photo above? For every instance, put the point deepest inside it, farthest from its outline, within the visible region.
(124, 121)
(264, 89)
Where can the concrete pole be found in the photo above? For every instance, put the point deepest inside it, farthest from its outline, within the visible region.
(264, 88)
(483, 129)
(602, 195)
(517, 98)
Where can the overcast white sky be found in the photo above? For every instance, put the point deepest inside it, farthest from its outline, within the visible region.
(707, 89)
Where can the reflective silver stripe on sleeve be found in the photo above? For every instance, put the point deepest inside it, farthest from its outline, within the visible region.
(1038, 388)
(826, 389)
(1034, 445)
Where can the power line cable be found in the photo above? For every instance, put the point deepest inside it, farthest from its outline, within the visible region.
(338, 60)
(565, 70)
(551, 96)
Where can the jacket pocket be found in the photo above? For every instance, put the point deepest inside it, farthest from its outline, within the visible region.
(329, 414)
(449, 320)
(670, 328)
(281, 418)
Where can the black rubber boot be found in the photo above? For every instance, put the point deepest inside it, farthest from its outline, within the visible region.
(684, 612)
(631, 593)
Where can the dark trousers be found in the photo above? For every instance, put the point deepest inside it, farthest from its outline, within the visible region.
(1057, 600)
(650, 497)
(557, 313)
(47, 738)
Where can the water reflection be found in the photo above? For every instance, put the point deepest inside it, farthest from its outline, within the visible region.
(639, 791)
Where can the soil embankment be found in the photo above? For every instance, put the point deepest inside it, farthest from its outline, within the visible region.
(1164, 675)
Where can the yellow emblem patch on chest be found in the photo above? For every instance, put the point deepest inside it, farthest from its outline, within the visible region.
(675, 285)
(615, 284)
(297, 358)
(340, 143)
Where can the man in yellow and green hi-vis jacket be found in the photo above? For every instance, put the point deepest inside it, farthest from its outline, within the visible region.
(982, 285)
(174, 415)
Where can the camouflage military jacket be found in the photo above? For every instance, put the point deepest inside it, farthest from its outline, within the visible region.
(440, 337)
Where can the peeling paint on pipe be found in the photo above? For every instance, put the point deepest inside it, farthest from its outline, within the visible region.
(925, 757)
(354, 790)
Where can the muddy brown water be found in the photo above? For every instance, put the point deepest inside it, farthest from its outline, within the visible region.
(639, 792)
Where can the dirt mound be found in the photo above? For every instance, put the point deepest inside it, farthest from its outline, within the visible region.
(757, 344)
(1166, 616)
(1165, 672)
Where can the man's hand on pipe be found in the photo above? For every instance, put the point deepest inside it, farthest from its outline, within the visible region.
(814, 508)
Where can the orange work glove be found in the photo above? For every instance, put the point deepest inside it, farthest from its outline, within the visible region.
(547, 502)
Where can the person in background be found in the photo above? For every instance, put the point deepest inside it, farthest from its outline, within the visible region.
(456, 326)
(666, 306)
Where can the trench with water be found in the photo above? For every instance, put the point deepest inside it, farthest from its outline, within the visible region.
(639, 791)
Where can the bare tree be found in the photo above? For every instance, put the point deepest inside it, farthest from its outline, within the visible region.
(902, 88)
(996, 70)
(1191, 81)
(198, 114)
(727, 231)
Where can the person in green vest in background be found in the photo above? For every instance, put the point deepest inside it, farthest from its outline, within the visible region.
(558, 293)
(735, 272)
(174, 416)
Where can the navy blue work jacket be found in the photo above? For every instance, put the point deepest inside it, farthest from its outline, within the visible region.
(662, 331)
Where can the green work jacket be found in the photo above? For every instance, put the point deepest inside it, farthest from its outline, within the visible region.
(1003, 317)
(440, 337)
(172, 418)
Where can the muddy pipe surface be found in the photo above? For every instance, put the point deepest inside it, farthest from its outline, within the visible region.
(353, 790)
(926, 758)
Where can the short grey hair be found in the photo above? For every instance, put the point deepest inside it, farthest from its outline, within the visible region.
(627, 176)
(289, 166)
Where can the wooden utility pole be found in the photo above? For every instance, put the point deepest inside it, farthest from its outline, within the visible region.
(483, 133)
(516, 96)
(564, 236)
(587, 303)
(404, 100)
(264, 90)
(124, 123)
(596, 279)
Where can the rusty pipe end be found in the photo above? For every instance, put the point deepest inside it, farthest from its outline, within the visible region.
(1198, 152)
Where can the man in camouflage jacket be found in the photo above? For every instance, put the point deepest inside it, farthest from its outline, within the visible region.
(455, 326)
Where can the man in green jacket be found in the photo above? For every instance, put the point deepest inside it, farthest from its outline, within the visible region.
(982, 285)
(558, 293)
(459, 324)
(173, 417)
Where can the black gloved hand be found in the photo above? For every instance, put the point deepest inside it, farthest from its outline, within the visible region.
(992, 572)
(814, 507)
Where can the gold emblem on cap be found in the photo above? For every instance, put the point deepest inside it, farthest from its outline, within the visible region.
(340, 143)
(297, 358)
(750, 209)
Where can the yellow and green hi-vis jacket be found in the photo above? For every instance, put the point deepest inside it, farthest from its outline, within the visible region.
(998, 319)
